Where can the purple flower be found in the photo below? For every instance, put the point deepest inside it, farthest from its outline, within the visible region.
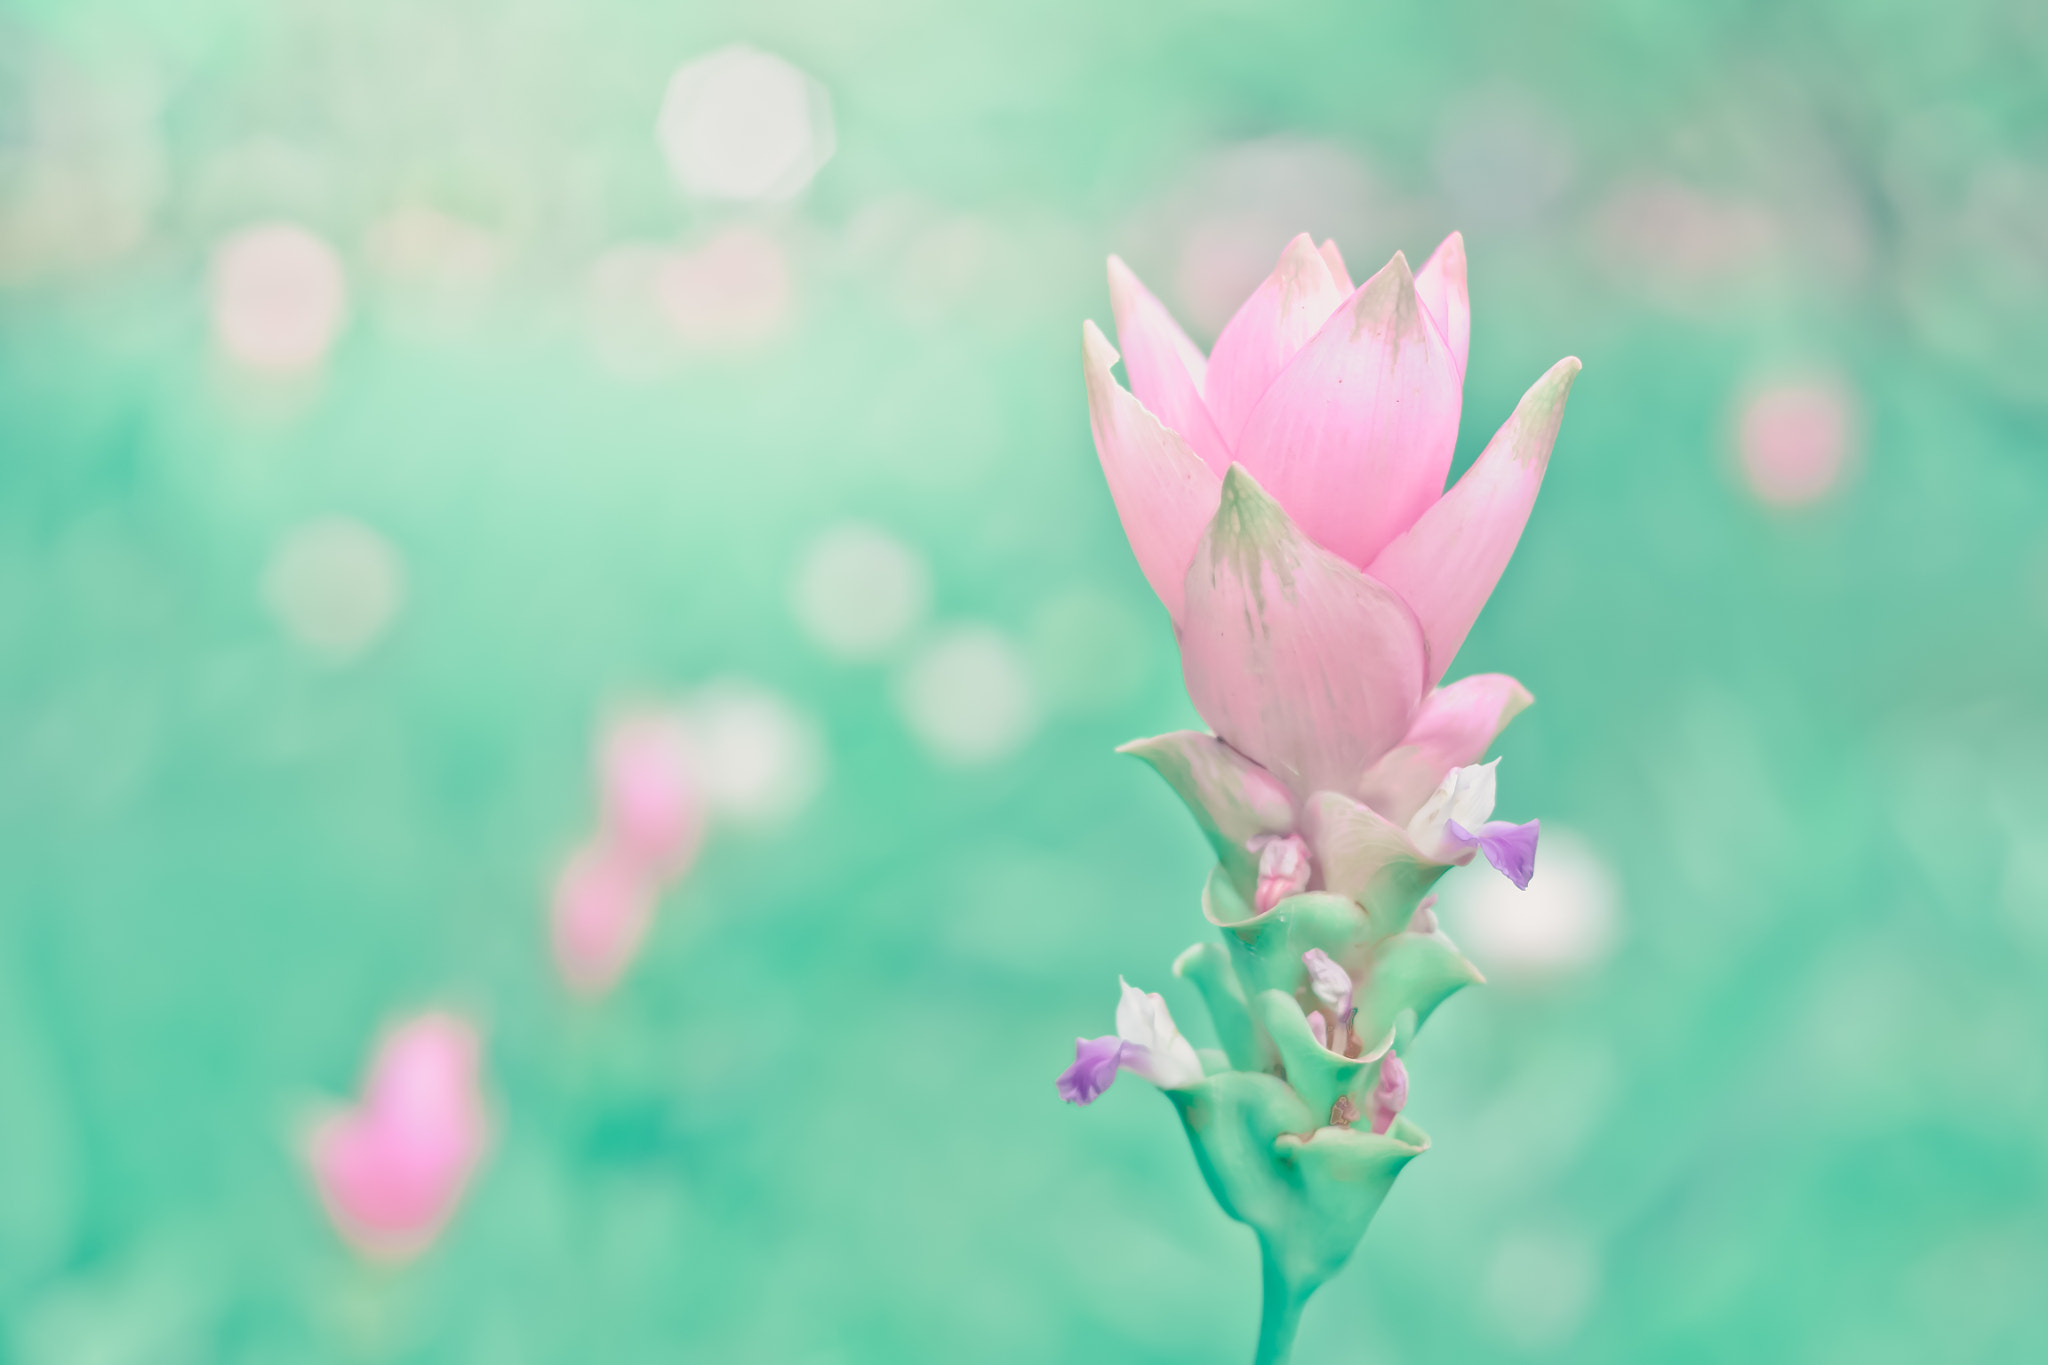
(1094, 1068)
(1508, 846)
(1145, 1041)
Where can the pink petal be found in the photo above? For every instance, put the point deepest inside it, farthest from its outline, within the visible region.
(1275, 322)
(391, 1170)
(1166, 369)
(604, 903)
(1297, 660)
(1163, 492)
(1355, 437)
(1445, 566)
(1440, 284)
(1454, 728)
(1334, 259)
(651, 804)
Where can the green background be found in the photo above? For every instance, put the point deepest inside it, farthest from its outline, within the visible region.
(1799, 1114)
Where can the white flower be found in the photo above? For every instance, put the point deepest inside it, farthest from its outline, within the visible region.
(1465, 797)
(1162, 1056)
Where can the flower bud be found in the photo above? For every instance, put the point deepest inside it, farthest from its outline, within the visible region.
(1390, 1094)
(1284, 868)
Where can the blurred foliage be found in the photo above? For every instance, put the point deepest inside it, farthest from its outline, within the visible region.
(1797, 1114)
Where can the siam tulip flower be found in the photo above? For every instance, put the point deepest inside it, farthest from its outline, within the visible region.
(1145, 1043)
(1453, 823)
(391, 1170)
(1284, 497)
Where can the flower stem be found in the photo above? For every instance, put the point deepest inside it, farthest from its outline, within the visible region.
(1281, 1317)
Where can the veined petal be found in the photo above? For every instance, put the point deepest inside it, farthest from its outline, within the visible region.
(1465, 797)
(1446, 564)
(1440, 284)
(1145, 1024)
(1334, 259)
(1296, 659)
(1454, 727)
(1355, 435)
(1510, 847)
(1274, 323)
(1166, 368)
(1164, 494)
(1093, 1071)
(1233, 799)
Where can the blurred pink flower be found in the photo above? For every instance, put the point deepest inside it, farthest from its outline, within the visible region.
(1794, 441)
(603, 903)
(391, 1170)
(1285, 499)
(651, 822)
(652, 807)
(729, 294)
(279, 297)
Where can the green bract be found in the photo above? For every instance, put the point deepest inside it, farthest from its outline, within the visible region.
(1279, 1126)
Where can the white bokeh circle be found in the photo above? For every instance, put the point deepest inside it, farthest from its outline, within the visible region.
(742, 124)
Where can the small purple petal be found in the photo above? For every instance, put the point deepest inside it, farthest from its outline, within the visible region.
(1509, 847)
(1094, 1068)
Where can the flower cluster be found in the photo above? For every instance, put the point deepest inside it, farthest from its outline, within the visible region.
(1285, 498)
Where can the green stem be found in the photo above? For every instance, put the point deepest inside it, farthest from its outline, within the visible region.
(1281, 1318)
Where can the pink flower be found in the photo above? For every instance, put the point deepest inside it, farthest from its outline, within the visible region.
(1285, 498)
(652, 808)
(391, 1170)
(651, 822)
(604, 902)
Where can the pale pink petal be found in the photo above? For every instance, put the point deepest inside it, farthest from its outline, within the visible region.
(1445, 566)
(1162, 490)
(1166, 369)
(1454, 727)
(1440, 284)
(1297, 660)
(1334, 259)
(603, 905)
(1354, 438)
(1274, 323)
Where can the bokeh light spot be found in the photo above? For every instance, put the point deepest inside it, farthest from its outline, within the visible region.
(858, 591)
(759, 758)
(741, 124)
(335, 585)
(967, 697)
(731, 293)
(279, 297)
(1795, 441)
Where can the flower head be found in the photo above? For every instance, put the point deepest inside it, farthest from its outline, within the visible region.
(1146, 1043)
(1285, 498)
